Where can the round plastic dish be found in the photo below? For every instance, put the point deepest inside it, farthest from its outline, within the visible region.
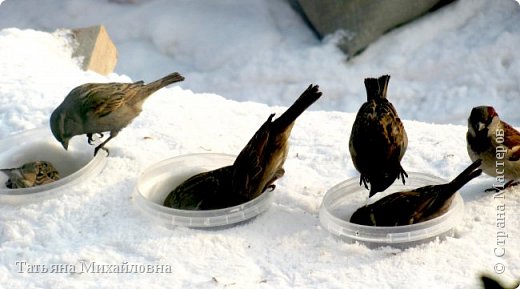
(74, 165)
(158, 180)
(342, 200)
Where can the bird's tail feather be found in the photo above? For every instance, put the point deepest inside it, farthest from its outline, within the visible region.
(467, 175)
(167, 80)
(308, 97)
(8, 172)
(377, 87)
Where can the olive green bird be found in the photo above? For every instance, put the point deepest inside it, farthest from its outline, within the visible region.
(94, 108)
(256, 168)
(31, 174)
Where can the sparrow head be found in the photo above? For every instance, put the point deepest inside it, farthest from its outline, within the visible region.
(363, 216)
(382, 180)
(482, 119)
(57, 123)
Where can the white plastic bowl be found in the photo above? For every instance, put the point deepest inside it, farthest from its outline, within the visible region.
(74, 165)
(342, 200)
(157, 181)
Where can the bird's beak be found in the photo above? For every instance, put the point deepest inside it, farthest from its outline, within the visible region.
(65, 144)
(481, 126)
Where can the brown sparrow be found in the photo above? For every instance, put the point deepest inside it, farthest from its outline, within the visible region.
(94, 108)
(378, 140)
(31, 174)
(256, 168)
(414, 206)
(496, 143)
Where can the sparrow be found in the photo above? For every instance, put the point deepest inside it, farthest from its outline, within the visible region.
(94, 108)
(256, 168)
(491, 283)
(378, 140)
(414, 206)
(496, 143)
(205, 191)
(31, 174)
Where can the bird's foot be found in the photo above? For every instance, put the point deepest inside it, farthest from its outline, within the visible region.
(507, 185)
(89, 139)
(402, 174)
(363, 180)
(103, 148)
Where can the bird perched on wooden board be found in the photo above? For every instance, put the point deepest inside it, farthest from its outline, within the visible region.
(31, 174)
(378, 139)
(414, 206)
(256, 168)
(496, 143)
(94, 108)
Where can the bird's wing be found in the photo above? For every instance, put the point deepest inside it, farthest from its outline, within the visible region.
(395, 209)
(423, 206)
(393, 130)
(512, 141)
(399, 198)
(103, 99)
(207, 190)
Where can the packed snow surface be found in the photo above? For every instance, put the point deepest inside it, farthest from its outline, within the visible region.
(242, 61)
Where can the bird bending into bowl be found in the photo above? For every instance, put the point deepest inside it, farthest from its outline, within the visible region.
(414, 206)
(95, 108)
(31, 174)
(256, 168)
(378, 139)
(496, 143)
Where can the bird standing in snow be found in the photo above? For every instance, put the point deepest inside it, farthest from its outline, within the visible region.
(378, 140)
(94, 108)
(496, 143)
(414, 206)
(31, 174)
(256, 168)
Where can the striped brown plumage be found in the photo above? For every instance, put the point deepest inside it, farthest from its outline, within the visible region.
(31, 174)
(414, 206)
(94, 108)
(378, 139)
(256, 168)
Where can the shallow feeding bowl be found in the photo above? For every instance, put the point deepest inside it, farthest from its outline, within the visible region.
(74, 165)
(342, 200)
(157, 181)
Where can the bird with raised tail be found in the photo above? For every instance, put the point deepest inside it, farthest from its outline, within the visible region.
(95, 108)
(378, 139)
(414, 206)
(256, 168)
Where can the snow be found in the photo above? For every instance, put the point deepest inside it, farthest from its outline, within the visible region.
(244, 60)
